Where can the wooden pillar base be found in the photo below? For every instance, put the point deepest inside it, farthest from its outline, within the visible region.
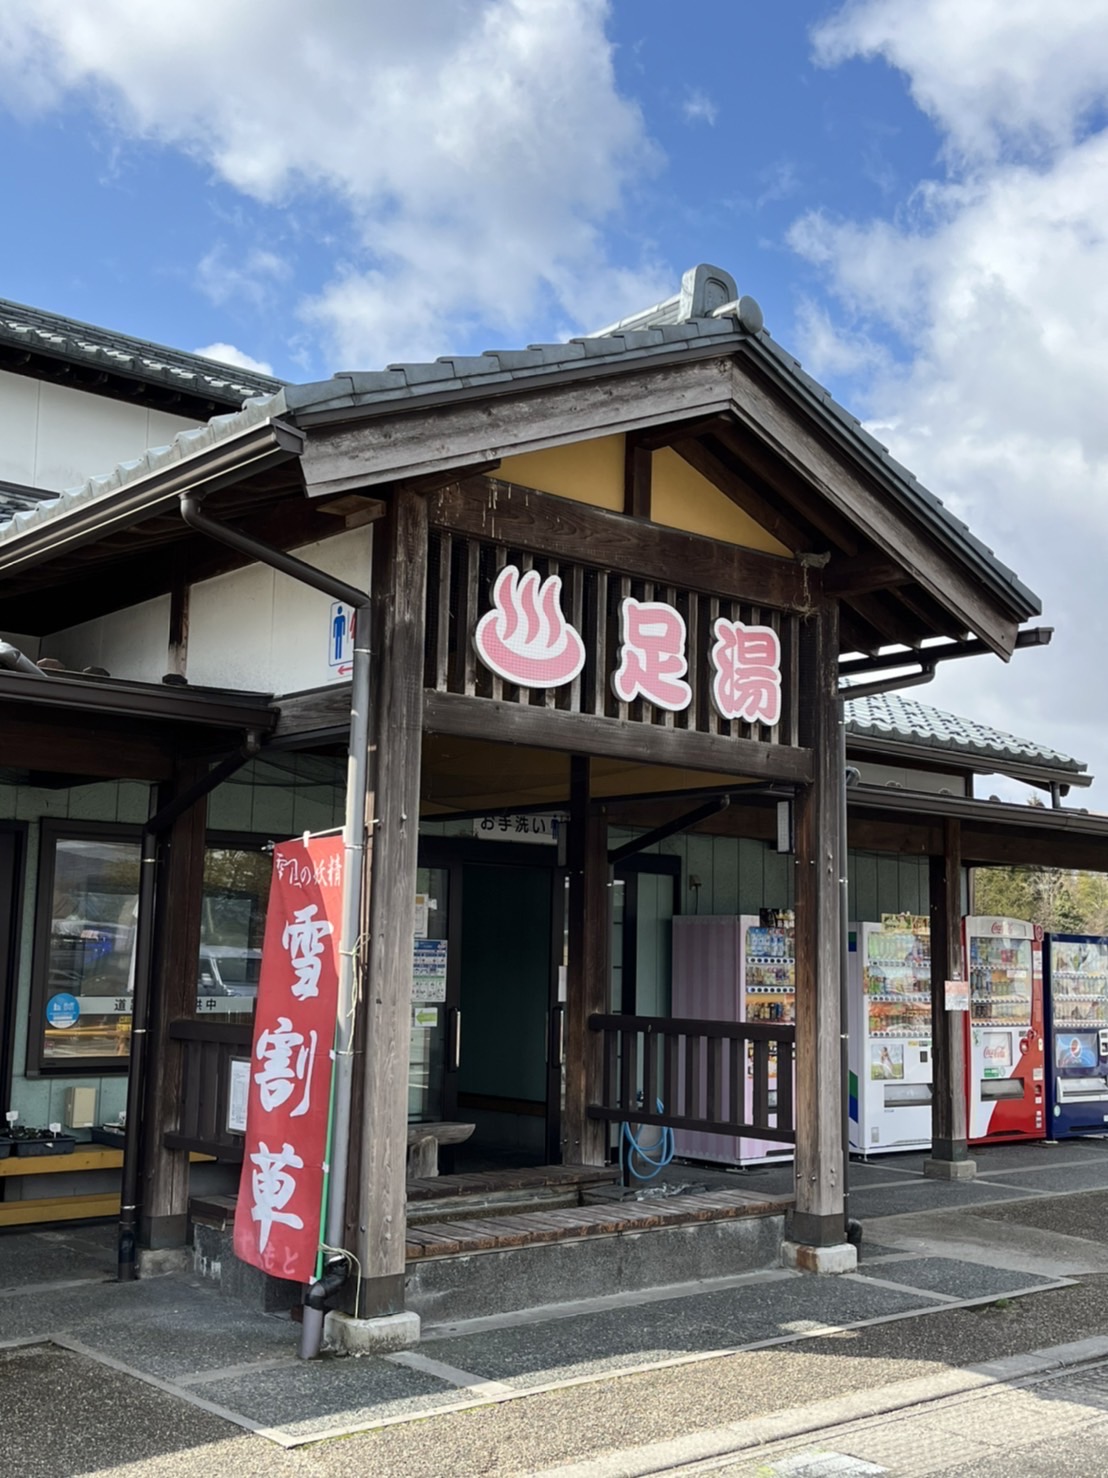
(949, 1149)
(815, 1231)
(949, 1160)
(380, 1297)
(156, 1232)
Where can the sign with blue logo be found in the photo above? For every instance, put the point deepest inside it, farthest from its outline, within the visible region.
(63, 1010)
(340, 639)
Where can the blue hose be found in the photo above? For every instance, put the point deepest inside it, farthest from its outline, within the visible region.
(656, 1156)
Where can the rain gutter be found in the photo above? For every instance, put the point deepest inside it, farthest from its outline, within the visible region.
(259, 447)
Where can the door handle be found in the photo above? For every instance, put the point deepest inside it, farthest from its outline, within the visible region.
(454, 1049)
(558, 1037)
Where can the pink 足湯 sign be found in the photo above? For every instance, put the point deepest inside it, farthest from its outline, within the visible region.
(526, 639)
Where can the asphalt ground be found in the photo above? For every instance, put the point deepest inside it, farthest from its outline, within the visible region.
(137, 1379)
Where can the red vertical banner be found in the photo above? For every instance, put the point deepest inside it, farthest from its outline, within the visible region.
(277, 1217)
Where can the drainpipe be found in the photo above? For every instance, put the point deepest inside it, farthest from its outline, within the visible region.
(357, 770)
(14, 660)
(852, 1229)
(143, 991)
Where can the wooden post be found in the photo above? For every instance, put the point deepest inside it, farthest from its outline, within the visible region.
(949, 1104)
(399, 602)
(163, 1221)
(585, 1140)
(817, 1219)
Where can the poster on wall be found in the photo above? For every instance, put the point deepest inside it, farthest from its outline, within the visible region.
(277, 1217)
(429, 961)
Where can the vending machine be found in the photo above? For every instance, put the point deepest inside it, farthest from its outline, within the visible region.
(1075, 981)
(767, 961)
(735, 969)
(1004, 1030)
(889, 1016)
(706, 987)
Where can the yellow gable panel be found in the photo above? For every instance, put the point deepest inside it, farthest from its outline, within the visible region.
(682, 499)
(586, 471)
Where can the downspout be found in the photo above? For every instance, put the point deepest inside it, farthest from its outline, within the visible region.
(852, 1229)
(14, 660)
(140, 1003)
(311, 1333)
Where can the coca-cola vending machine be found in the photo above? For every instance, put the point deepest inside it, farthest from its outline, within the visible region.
(1004, 1030)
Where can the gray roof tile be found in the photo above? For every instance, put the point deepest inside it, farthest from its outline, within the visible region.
(889, 716)
(85, 345)
(656, 331)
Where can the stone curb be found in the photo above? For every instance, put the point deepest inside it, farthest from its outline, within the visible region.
(744, 1436)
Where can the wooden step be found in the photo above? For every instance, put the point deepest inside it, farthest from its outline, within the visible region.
(454, 1238)
(493, 1203)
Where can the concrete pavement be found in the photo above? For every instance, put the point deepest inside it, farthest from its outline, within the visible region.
(193, 1381)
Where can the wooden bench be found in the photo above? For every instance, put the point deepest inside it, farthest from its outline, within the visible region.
(92, 1205)
(423, 1146)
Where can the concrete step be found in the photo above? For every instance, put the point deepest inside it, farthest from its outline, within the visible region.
(475, 1268)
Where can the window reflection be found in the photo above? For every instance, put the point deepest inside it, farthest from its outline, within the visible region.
(90, 973)
(232, 926)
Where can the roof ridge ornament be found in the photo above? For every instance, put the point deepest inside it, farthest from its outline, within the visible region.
(704, 289)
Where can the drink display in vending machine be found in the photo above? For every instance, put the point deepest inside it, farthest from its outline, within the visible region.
(1004, 1029)
(1075, 988)
(889, 1015)
(768, 964)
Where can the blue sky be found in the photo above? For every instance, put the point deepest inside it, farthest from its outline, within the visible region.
(914, 190)
(741, 130)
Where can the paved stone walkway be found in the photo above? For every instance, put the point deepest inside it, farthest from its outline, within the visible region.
(946, 1285)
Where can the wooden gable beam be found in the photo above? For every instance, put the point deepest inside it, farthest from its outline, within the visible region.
(848, 489)
(545, 524)
(415, 441)
(862, 574)
(638, 465)
(744, 494)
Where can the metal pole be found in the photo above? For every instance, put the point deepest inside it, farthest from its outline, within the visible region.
(851, 1228)
(354, 831)
(136, 1074)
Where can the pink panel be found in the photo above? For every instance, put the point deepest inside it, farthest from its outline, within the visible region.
(706, 985)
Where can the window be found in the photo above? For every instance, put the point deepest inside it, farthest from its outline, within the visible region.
(232, 926)
(84, 949)
(85, 937)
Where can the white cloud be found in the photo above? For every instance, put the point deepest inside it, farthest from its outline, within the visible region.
(991, 287)
(478, 146)
(228, 354)
(225, 279)
(698, 107)
(989, 72)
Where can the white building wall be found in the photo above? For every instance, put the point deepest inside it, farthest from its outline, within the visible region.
(54, 437)
(257, 630)
(251, 629)
(131, 644)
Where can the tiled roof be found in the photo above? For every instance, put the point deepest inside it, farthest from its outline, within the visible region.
(706, 316)
(15, 498)
(889, 716)
(55, 337)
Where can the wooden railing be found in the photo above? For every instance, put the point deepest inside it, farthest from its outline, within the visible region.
(718, 1077)
(209, 1048)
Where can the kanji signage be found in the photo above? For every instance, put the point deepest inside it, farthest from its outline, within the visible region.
(277, 1217)
(527, 640)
